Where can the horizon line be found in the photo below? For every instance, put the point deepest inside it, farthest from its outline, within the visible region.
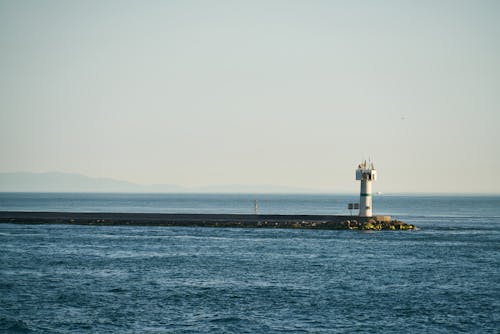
(416, 193)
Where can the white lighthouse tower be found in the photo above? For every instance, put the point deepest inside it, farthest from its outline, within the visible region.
(366, 173)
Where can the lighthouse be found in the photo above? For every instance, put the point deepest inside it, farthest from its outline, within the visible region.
(365, 173)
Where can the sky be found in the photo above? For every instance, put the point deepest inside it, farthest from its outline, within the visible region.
(291, 93)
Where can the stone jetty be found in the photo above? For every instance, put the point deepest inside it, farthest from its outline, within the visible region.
(326, 222)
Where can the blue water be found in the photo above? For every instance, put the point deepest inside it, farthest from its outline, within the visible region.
(443, 278)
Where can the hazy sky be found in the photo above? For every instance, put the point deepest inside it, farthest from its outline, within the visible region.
(254, 92)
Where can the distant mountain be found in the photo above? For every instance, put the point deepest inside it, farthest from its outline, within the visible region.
(241, 188)
(70, 182)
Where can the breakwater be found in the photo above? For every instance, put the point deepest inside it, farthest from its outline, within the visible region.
(332, 222)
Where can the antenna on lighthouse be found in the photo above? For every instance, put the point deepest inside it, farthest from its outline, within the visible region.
(366, 174)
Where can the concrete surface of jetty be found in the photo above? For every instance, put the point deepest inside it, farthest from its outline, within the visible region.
(330, 222)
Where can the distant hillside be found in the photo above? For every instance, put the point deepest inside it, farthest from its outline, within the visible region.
(70, 182)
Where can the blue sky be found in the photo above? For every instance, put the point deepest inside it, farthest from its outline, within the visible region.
(291, 93)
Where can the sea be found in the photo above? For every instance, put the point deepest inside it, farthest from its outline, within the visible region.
(442, 278)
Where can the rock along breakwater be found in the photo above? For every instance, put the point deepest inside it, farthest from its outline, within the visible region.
(329, 222)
